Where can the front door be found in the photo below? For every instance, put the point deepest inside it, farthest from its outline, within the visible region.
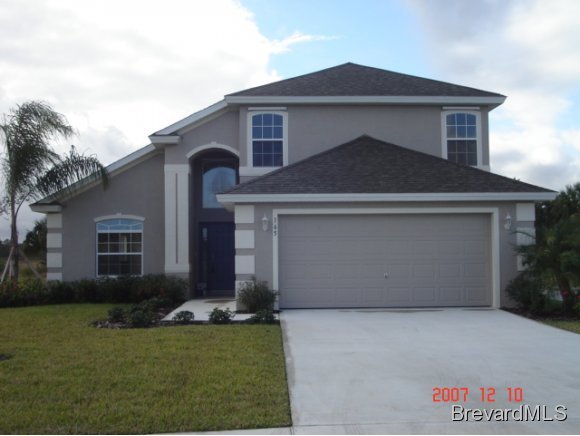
(217, 254)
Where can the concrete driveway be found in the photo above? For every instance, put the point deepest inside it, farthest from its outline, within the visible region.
(374, 371)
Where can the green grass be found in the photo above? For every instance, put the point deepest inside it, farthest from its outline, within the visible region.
(571, 325)
(68, 377)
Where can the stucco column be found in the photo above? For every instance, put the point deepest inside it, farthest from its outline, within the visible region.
(177, 218)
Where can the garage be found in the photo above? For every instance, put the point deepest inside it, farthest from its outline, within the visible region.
(393, 260)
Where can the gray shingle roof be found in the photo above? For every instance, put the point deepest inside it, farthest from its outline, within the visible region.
(368, 165)
(358, 80)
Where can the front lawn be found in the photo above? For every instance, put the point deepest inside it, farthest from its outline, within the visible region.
(571, 325)
(64, 376)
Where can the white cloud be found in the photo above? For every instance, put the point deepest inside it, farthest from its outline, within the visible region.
(527, 50)
(122, 69)
(297, 37)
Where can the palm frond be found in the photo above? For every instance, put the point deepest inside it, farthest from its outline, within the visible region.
(69, 170)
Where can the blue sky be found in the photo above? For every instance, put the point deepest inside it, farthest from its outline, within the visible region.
(378, 33)
(123, 69)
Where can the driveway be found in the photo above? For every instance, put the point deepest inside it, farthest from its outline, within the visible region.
(374, 371)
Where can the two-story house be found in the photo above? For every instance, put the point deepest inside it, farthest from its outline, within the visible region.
(348, 187)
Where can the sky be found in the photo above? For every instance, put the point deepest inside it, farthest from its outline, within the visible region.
(120, 70)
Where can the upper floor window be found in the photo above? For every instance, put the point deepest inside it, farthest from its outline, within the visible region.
(119, 247)
(462, 143)
(268, 139)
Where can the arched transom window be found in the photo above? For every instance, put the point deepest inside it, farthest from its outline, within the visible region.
(119, 247)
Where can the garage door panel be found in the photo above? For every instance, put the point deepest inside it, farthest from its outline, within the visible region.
(476, 248)
(341, 261)
(373, 296)
(398, 296)
(476, 295)
(451, 296)
(426, 296)
(424, 271)
(448, 271)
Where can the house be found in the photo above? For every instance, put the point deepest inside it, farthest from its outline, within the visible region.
(347, 187)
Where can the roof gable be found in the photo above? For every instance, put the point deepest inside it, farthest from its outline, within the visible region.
(358, 80)
(369, 166)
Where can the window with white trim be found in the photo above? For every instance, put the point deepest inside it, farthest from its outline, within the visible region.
(119, 247)
(462, 144)
(267, 139)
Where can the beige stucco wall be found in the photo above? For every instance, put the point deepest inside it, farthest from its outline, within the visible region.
(221, 130)
(313, 129)
(137, 191)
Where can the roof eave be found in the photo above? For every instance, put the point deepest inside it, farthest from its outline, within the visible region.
(403, 100)
(189, 120)
(232, 198)
(46, 208)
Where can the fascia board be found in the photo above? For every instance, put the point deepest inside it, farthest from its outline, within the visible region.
(431, 100)
(191, 119)
(310, 198)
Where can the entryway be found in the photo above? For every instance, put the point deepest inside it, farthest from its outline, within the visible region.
(212, 226)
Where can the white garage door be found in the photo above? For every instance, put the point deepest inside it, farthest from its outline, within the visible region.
(384, 260)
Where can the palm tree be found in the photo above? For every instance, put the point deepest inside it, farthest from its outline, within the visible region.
(31, 168)
(555, 256)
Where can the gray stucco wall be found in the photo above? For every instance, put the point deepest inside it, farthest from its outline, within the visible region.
(222, 130)
(138, 191)
(263, 251)
(313, 129)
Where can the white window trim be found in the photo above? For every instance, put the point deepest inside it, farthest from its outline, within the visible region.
(249, 169)
(444, 138)
(492, 212)
(119, 216)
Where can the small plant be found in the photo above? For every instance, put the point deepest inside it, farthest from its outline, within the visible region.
(139, 317)
(116, 315)
(183, 317)
(262, 317)
(255, 295)
(219, 316)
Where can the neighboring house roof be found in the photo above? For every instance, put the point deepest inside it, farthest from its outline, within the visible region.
(358, 80)
(369, 166)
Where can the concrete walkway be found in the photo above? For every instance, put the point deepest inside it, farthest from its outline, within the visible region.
(201, 307)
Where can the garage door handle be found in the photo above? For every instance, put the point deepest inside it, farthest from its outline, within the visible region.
(386, 275)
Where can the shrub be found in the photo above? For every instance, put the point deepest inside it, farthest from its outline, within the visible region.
(262, 317)
(25, 293)
(116, 314)
(139, 317)
(255, 296)
(60, 292)
(219, 316)
(166, 291)
(183, 317)
(528, 292)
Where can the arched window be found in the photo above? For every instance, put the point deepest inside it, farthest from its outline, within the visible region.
(119, 247)
(216, 179)
(267, 139)
(462, 138)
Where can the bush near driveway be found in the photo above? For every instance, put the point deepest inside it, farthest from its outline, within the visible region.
(64, 376)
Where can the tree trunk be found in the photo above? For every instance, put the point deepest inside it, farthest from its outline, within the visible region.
(14, 264)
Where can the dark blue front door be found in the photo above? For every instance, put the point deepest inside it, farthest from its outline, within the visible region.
(217, 252)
